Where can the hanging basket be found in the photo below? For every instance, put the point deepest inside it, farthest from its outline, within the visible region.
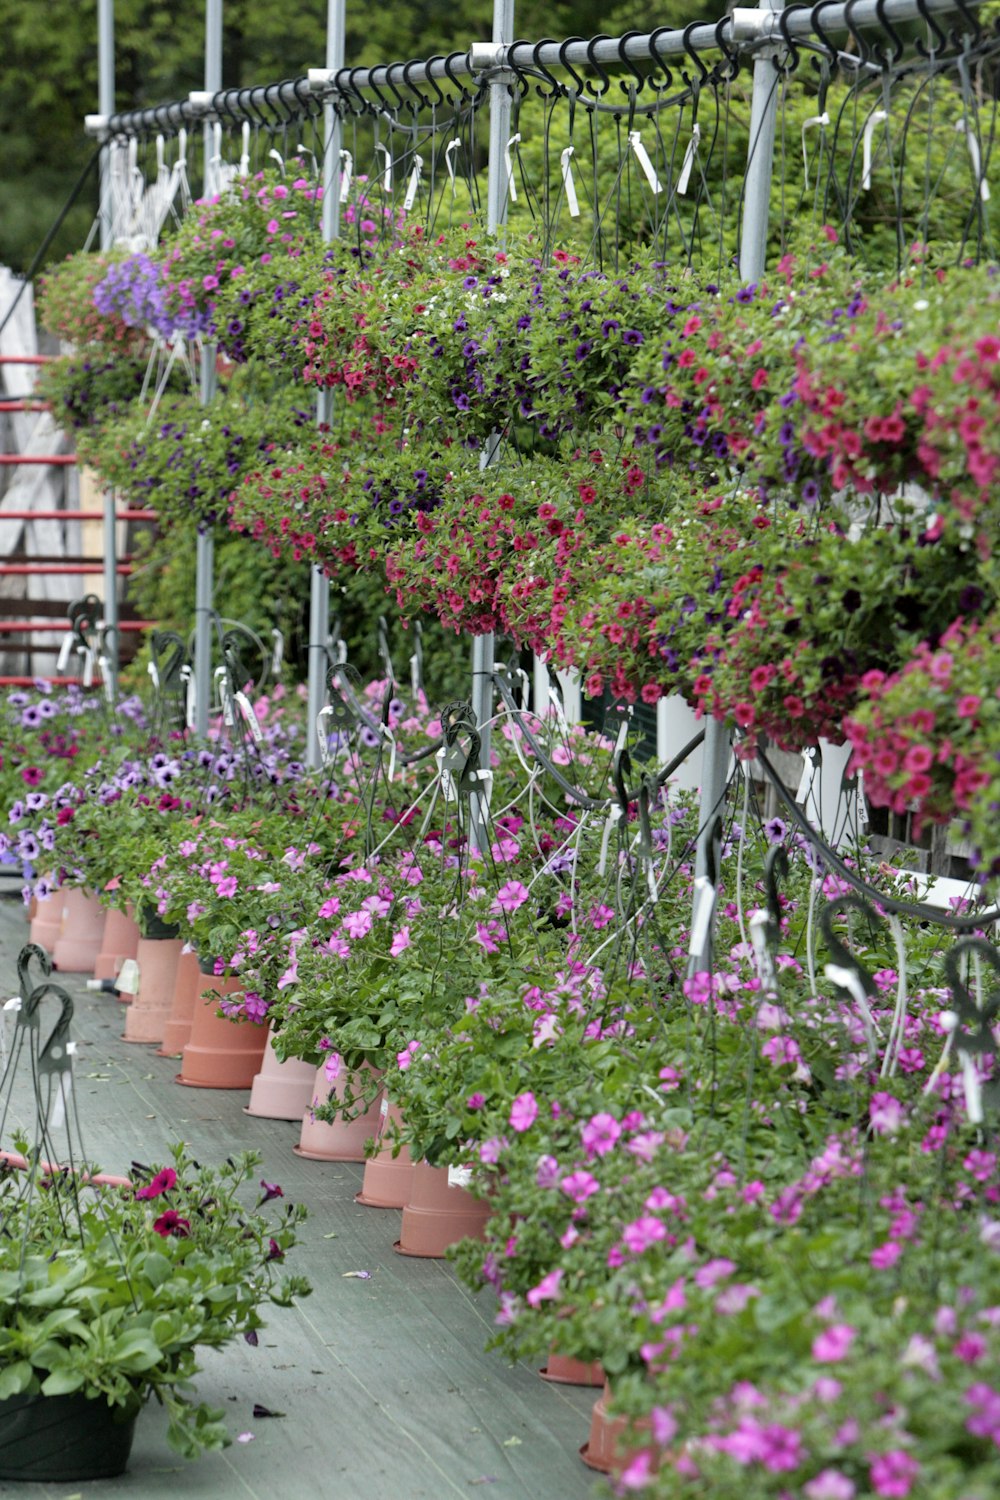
(62, 1439)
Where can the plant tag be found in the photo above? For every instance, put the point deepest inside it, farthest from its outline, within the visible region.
(88, 667)
(448, 786)
(228, 716)
(759, 923)
(128, 977)
(704, 906)
(62, 660)
(413, 186)
(244, 168)
(449, 158)
(459, 1177)
(808, 777)
(322, 733)
(107, 681)
(387, 170)
(278, 654)
(976, 159)
(862, 804)
(509, 164)
(415, 683)
(252, 722)
(187, 676)
(642, 157)
(822, 121)
(875, 118)
(61, 1097)
(572, 202)
(346, 168)
(154, 674)
(688, 163)
(614, 813)
(972, 1086)
(387, 734)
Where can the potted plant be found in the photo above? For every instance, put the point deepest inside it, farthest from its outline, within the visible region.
(109, 1292)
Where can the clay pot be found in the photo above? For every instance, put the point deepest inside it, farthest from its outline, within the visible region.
(120, 941)
(220, 1054)
(151, 1005)
(187, 989)
(46, 924)
(604, 1450)
(388, 1179)
(344, 1140)
(439, 1214)
(79, 940)
(281, 1090)
(562, 1370)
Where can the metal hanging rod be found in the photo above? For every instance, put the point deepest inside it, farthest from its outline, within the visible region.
(747, 30)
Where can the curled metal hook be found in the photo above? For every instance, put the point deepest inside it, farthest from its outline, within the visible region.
(885, 60)
(555, 88)
(629, 62)
(564, 63)
(695, 56)
(864, 50)
(449, 68)
(974, 28)
(431, 82)
(730, 66)
(605, 84)
(816, 26)
(658, 60)
(790, 63)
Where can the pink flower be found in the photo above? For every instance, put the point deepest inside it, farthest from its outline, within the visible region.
(171, 1223)
(970, 1348)
(579, 1186)
(733, 1299)
(600, 1134)
(830, 1484)
(400, 940)
(713, 1271)
(523, 1113)
(886, 1255)
(886, 1114)
(165, 1179)
(357, 924)
(893, 1473)
(331, 907)
(331, 1067)
(642, 1233)
(475, 1101)
(833, 1343)
(407, 1055)
(547, 1289)
(637, 1474)
(547, 1172)
(510, 896)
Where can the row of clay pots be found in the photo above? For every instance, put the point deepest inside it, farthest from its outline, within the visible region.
(176, 1007)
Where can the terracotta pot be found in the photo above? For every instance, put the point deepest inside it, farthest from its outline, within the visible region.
(562, 1370)
(187, 989)
(344, 1140)
(604, 1450)
(79, 940)
(388, 1179)
(46, 924)
(281, 1090)
(439, 1214)
(120, 941)
(151, 1005)
(220, 1054)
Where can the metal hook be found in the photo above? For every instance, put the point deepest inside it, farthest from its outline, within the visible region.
(814, 22)
(523, 81)
(629, 62)
(414, 89)
(864, 50)
(365, 105)
(661, 62)
(568, 66)
(390, 85)
(975, 31)
(898, 46)
(790, 63)
(731, 66)
(432, 82)
(449, 66)
(555, 88)
(694, 56)
(605, 83)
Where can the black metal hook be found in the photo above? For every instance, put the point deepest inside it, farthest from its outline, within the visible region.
(621, 770)
(564, 63)
(816, 26)
(694, 55)
(555, 88)
(389, 83)
(975, 29)
(408, 83)
(658, 60)
(449, 68)
(597, 90)
(864, 50)
(640, 79)
(31, 952)
(728, 69)
(432, 82)
(775, 869)
(366, 105)
(790, 63)
(898, 46)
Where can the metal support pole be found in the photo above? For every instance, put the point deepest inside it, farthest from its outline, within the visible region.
(319, 584)
(106, 107)
(484, 646)
(205, 556)
(753, 255)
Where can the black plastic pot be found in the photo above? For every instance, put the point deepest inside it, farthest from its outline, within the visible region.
(152, 926)
(61, 1439)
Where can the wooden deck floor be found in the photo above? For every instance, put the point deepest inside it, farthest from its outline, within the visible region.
(385, 1387)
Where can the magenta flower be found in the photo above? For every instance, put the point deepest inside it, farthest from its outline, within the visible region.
(475, 1101)
(830, 1484)
(893, 1473)
(357, 924)
(547, 1289)
(600, 1134)
(164, 1180)
(407, 1055)
(713, 1271)
(580, 1186)
(523, 1113)
(271, 1191)
(886, 1114)
(509, 897)
(642, 1233)
(833, 1344)
(227, 887)
(886, 1256)
(331, 1067)
(171, 1223)
(547, 1172)
(400, 940)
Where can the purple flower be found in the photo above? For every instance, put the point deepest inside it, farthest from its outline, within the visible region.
(523, 1112)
